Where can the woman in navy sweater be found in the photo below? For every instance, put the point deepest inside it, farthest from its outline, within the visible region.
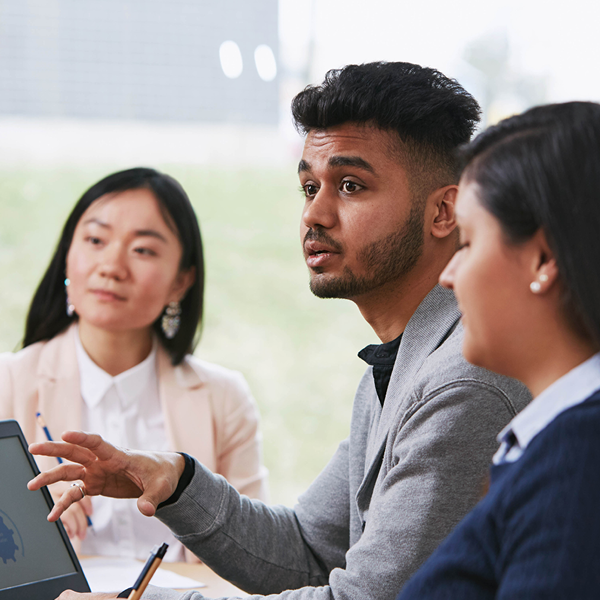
(527, 278)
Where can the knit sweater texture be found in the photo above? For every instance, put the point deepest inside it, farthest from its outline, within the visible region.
(536, 534)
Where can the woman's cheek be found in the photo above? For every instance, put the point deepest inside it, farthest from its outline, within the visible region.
(153, 292)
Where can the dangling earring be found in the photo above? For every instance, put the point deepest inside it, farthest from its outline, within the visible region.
(171, 320)
(70, 305)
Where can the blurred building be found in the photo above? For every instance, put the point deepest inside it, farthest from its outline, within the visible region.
(176, 60)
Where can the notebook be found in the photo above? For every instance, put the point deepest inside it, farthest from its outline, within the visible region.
(36, 557)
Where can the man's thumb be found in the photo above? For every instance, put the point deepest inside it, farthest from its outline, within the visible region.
(147, 505)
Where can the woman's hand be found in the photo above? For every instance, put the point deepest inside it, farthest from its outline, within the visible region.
(75, 518)
(109, 471)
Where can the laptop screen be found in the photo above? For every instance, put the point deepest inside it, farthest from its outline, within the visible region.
(36, 557)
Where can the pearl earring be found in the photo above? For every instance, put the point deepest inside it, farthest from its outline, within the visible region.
(536, 286)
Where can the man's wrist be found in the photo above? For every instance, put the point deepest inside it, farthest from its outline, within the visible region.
(188, 473)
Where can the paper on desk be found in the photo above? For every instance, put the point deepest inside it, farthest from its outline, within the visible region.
(106, 574)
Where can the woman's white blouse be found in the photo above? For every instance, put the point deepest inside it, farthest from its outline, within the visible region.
(126, 411)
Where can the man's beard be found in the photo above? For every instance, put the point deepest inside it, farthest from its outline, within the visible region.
(385, 260)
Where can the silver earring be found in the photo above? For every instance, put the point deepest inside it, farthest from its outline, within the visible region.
(535, 287)
(544, 277)
(70, 305)
(171, 320)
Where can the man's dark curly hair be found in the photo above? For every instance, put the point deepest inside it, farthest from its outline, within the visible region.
(431, 114)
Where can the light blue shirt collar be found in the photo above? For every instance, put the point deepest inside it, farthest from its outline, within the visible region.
(571, 389)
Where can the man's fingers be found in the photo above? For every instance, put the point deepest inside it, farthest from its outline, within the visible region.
(64, 450)
(77, 446)
(91, 441)
(64, 472)
(110, 471)
(72, 495)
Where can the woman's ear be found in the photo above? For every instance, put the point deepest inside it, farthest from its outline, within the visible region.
(544, 268)
(183, 282)
(444, 217)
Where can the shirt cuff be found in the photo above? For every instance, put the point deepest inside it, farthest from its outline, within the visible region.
(188, 473)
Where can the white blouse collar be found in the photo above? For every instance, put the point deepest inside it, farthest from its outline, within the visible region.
(95, 382)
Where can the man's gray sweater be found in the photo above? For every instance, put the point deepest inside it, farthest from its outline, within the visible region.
(407, 474)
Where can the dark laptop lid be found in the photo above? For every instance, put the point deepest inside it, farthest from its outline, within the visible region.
(36, 557)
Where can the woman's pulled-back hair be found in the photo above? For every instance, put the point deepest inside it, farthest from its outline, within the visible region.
(541, 170)
(47, 315)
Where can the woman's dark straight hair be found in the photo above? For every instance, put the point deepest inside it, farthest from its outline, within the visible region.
(47, 315)
(541, 170)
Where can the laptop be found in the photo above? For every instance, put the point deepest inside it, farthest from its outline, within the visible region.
(36, 557)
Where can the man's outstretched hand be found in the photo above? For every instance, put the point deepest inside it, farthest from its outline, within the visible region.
(107, 470)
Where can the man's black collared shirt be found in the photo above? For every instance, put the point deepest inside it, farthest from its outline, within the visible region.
(382, 358)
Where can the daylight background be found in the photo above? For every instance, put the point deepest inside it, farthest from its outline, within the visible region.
(201, 90)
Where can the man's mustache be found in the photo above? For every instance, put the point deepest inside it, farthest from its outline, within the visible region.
(319, 235)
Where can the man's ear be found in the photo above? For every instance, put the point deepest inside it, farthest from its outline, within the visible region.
(443, 201)
(183, 282)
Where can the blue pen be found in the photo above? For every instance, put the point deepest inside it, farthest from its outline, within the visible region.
(45, 429)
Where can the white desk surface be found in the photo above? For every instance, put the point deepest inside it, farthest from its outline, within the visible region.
(214, 586)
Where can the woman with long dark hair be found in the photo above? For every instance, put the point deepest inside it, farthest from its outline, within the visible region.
(526, 279)
(108, 347)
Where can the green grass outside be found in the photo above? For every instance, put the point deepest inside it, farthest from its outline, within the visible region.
(297, 352)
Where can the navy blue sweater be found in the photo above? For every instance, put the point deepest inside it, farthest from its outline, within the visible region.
(536, 535)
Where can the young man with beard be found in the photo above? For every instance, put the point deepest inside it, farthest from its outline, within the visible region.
(377, 228)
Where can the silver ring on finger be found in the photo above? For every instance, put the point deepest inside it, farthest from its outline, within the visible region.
(81, 489)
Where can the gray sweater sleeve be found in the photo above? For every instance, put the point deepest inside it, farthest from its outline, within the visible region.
(432, 475)
(264, 548)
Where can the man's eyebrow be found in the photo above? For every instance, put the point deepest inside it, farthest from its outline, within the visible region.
(303, 166)
(341, 161)
(351, 161)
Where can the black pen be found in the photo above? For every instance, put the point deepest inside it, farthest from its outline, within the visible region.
(45, 429)
(149, 569)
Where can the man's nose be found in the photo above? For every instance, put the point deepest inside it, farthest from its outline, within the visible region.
(321, 210)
